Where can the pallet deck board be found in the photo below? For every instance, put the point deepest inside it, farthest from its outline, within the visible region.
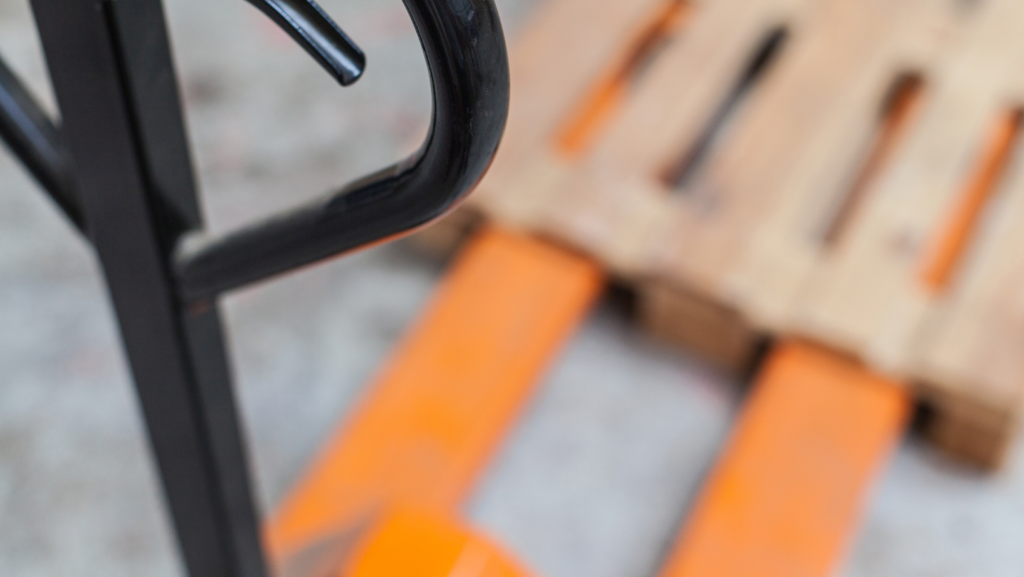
(617, 196)
(564, 53)
(797, 153)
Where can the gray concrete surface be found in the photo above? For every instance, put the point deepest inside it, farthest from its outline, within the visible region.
(593, 480)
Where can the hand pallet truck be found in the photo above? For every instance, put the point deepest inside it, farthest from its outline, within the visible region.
(381, 498)
(119, 168)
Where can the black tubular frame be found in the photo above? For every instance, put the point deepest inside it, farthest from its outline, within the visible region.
(38, 144)
(468, 66)
(119, 167)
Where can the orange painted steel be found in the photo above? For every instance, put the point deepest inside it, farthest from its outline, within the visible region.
(432, 419)
(415, 543)
(786, 495)
(953, 239)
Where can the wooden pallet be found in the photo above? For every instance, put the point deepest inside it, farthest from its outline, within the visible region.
(839, 170)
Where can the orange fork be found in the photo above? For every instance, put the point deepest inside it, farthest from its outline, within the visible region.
(432, 418)
(786, 494)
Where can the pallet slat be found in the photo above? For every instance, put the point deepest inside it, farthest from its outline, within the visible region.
(618, 197)
(572, 46)
(790, 161)
(870, 296)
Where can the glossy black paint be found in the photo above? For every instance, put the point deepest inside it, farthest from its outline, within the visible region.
(314, 30)
(121, 163)
(111, 68)
(465, 52)
(38, 144)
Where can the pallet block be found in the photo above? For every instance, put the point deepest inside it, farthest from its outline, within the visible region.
(808, 168)
(717, 333)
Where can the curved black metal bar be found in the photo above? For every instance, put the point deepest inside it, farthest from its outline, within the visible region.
(31, 136)
(314, 30)
(465, 52)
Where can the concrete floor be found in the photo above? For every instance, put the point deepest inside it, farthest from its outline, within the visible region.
(593, 480)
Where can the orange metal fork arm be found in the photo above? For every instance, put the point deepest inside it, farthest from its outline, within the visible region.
(786, 495)
(451, 390)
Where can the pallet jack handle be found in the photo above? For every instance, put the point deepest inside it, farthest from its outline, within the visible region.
(468, 64)
(466, 56)
(118, 166)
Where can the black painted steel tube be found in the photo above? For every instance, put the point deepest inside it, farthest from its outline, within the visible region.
(466, 56)
(37, 143)
(322, 39)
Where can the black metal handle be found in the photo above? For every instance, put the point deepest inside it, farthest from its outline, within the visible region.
(33, 138)
(314, 30)
(465, 53)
